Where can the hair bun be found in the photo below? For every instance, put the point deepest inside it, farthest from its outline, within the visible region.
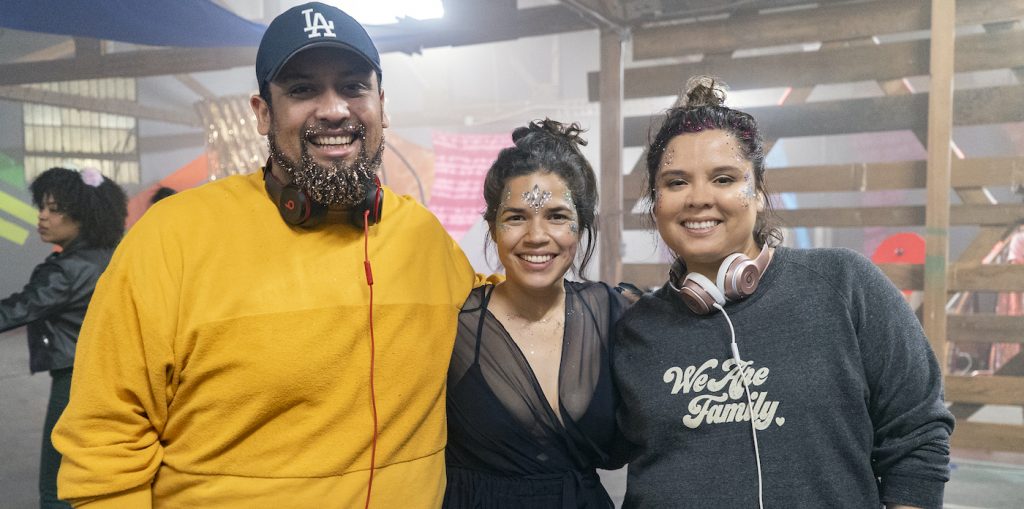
(704, 91)
(569, 133)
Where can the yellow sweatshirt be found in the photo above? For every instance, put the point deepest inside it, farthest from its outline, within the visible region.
(225, 359)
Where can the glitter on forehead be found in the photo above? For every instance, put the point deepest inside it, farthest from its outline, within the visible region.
(666, 158)
(747, 193)
(536, 198)
(505, 198)
(574, 227)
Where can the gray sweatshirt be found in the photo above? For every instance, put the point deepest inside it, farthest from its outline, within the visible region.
(846, 394)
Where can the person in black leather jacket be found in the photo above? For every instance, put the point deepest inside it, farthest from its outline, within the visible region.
(83, 213)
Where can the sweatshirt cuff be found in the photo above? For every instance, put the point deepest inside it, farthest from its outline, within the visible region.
(140, 497)
(912, 491)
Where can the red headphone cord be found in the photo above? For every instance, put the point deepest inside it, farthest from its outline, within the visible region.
(373, 395)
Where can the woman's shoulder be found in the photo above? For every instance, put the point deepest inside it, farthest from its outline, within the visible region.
(475, 300)
(81, 258)
(596, 287)
(826, 260)
(596, 291)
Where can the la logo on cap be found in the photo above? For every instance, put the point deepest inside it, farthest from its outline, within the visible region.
(316, 23)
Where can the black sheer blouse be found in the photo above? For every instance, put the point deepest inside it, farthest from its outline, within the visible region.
(506, 446)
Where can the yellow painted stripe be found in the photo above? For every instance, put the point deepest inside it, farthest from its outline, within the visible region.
(18, 208)
(12, 232)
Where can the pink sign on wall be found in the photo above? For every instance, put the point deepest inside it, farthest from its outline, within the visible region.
(460, 164)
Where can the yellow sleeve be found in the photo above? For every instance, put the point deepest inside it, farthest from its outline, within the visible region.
(492, 279)
(136, 498)
(109, 435)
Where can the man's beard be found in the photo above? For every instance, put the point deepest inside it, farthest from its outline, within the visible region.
(337, 184)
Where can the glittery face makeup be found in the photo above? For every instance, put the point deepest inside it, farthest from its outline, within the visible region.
(536, 198)
(506, 198)
(574, 225)
(747, 193)
(703, 209)
(666, 158)
(536, 230)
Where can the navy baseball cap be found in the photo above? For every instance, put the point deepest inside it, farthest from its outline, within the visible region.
(306, 26)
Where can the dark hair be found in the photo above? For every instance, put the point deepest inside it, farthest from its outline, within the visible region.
(161, 193)
(702, 110)
(547, 146)
(99, 210)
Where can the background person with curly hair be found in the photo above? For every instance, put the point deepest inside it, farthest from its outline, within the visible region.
(83, 213)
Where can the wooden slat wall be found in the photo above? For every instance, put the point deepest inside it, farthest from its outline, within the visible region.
(840, 65)
(978, 106)
(828, 23)
(848, 54)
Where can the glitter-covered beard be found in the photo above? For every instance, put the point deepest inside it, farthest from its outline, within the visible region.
(338, 184)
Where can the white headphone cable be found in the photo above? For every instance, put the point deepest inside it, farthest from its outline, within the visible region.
(750, 406)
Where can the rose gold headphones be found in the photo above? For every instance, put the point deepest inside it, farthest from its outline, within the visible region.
(737, 279)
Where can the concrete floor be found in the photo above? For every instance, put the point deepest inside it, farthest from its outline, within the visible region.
(979, 481)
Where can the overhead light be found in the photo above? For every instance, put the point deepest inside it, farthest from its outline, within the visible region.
(386, 12)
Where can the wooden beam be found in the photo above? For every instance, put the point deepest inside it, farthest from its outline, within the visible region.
(858, 217)
(978, 277)
(987, 436)
(149, 62)
(854, 217)
(645, 275)
(967, 173)
(195, 86)
(847, 177)
(610, 235)
(986, 328)
(482, 24)
(598, 14)
(937, 210)
(1012, 367)
(989, 390)
(983, 243)
(87, 47)
(962, 277)
(988, 171)
(884, 62)
(113, 106)
(905, 276)
(971, 107)
(825, 23)
(167, 142)
(127, 157)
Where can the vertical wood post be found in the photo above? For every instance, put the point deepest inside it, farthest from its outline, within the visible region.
(610, 233)
(940, 129)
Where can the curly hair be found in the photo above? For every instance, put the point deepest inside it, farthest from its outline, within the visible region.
(704, 109)
(548, 146)
(99, 210)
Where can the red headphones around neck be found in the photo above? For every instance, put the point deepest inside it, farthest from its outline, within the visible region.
(737, 279)
(298, 209)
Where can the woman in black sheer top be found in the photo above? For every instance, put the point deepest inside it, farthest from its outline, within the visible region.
(531, 406)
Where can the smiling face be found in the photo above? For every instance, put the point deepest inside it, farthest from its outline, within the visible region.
(325, 123)
(536, 231)
(55, 226)
(706, 200)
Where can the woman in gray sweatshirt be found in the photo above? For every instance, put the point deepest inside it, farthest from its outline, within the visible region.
(817, 345)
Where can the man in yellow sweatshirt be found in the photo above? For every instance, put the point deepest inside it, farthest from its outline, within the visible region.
(235, 353)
